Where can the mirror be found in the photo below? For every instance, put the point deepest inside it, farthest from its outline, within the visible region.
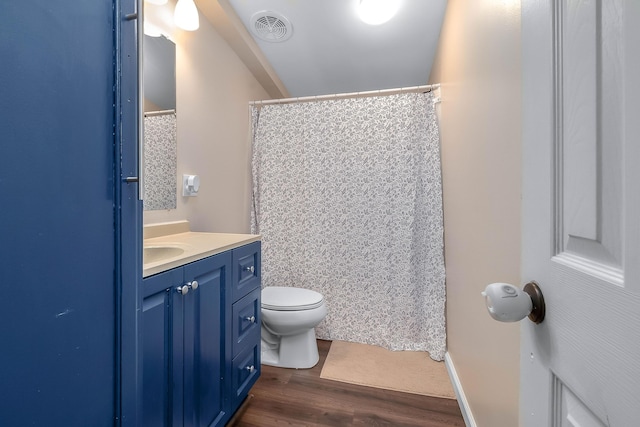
(160, 133)
(159, 67)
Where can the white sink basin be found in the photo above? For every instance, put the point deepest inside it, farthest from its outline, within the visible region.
(158, 253)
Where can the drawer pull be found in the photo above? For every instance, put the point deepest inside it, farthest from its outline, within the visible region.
(251, 319)
(250, 269)
(251, 369)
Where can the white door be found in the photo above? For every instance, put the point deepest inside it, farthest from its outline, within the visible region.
(581, 212)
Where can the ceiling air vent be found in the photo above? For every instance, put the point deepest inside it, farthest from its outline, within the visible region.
(270, 26)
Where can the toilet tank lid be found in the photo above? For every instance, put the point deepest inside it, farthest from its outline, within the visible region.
(283, 298)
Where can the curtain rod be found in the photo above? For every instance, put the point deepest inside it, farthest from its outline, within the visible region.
(159, 113)
(424, 88)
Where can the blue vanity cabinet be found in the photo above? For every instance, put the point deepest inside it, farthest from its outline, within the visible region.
(162, 349)
(183, 348)
(243, 322)
(204, 311)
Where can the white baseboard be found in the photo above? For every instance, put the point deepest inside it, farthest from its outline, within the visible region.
(457, 387)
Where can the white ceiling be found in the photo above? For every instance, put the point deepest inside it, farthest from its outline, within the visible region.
(332, 51)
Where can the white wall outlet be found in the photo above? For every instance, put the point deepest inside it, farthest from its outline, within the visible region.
(190, 185)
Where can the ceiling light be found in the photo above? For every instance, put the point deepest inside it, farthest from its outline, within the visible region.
(376, 12)
(158, 2)
(186, 15)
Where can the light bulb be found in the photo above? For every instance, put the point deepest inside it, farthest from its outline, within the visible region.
(186, 15)
(376, 12)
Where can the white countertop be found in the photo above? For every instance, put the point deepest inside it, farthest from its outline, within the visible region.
(195, 246)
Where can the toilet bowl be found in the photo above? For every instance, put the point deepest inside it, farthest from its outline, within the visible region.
(289, 316)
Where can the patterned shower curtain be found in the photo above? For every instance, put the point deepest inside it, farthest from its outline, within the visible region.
(347, 195)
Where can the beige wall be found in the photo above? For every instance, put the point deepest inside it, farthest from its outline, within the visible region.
(478, 65)
(213, 90)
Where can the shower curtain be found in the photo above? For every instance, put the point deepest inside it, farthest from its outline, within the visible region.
(347, 196)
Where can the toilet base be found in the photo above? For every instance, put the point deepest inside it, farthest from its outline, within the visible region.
(294, 351)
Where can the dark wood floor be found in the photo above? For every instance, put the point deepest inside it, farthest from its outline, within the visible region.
(290, 397)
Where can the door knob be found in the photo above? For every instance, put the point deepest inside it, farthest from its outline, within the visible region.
(183, 290)
(193, 285)
(507, 303)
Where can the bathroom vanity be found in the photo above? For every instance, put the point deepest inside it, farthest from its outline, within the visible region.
(200, 326)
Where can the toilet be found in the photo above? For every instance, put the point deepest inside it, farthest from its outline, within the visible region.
(289, 316)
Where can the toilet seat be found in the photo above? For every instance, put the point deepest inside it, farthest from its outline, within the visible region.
(282, 298)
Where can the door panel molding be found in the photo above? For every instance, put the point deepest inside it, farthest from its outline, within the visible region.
(569, 410)
(588, 139)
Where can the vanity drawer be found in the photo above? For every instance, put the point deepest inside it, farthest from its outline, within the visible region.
(245, 372)
(246, 270)
(246, 321)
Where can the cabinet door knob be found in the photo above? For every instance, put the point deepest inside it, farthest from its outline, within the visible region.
(251, 319)
(182, 290)
(193, 285)
(251, 369)
(250, 269)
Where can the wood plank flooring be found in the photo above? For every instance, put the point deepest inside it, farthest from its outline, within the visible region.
(290, 397)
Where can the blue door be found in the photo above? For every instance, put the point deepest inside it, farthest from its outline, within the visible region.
(60, 214)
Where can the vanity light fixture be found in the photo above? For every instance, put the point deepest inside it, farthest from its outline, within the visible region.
(376, 12)
(186, 15)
